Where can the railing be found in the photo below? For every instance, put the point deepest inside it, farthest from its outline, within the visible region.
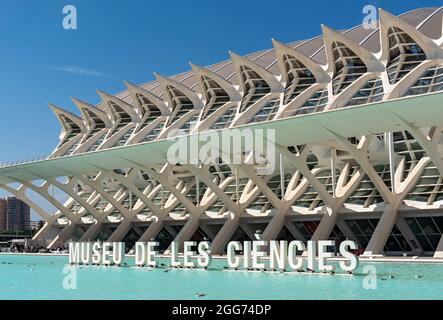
(17, 162)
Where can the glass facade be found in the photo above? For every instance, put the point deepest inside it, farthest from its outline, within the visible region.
(348, 67)
(427, 230)
(372, 91)
(430, 81)
(180, 104)
(298, 76)
(216, 96)
(404, 54)
(225, 120)
(149, 111)
(267, 112)
(255, 87)
(363, 229)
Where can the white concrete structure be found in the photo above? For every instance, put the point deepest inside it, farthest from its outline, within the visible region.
(358, 119)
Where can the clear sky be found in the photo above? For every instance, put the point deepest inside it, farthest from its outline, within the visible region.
(41, 62)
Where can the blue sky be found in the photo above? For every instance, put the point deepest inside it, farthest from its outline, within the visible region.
(41, 62)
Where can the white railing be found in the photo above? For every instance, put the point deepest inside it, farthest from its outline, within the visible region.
(17, 162)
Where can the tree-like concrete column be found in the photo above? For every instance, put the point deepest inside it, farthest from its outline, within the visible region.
(393, 199)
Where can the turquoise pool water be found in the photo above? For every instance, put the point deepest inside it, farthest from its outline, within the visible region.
(42, 277)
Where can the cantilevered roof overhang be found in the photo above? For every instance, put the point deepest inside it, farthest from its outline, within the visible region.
(421, 111)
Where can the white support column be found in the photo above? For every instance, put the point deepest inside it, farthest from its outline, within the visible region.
(393, 199)
(68, 188)
(294, 231)
(250, 173)
(383, 229)
(207, 230)
(343, 191)
(428, 143)
(275, 225)
(154, 228)
(187, 231)
(333, 160)
(121, 231)
(359, 153)
(409, 236)
(237, 193)
(124, 227)
(194, 211)
(63, 236)
(93, 230)
(97, 185)
(439, 251)
(390, 214)
(233, 218)
(279, 219)
(207, 178)
(163, 178)
(225, 233)
(390, 138)
(347, 231)
(162, 194)
(332, 204)
(282, 177)
(43, 191)
(197, 190)
(21, 194)
(299, 163)
(430, 146)
(45, 231)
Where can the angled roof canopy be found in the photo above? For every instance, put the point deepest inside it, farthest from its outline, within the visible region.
(331, 36)
(69, 121)
(119, 108)
(238, 62)
(92, 114)
(387, 21)
(281, 50)
(151, 98)
(228, 87)
(178, 89)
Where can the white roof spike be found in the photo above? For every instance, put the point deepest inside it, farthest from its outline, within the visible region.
(226, 85)
(387, 20)
(196, 98)
(158, 102)
(82, 106)
(282, 49)
(59, 112)
(369, 59)
(128, 108)
(271, 80)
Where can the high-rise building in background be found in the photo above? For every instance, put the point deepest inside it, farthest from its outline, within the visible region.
(3, 213)
(14, 214)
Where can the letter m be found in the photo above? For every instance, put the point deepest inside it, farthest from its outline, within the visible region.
(74, 252)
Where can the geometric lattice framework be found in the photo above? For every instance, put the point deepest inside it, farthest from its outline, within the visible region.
(381, 189)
